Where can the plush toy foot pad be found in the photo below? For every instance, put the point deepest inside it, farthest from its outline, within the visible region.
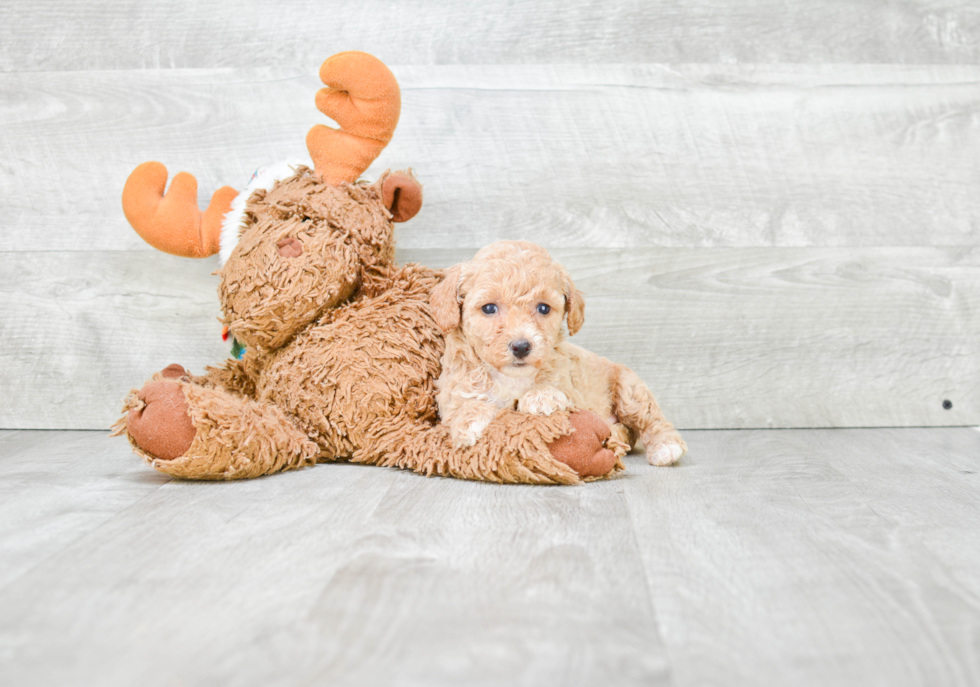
(162, 427)
(173, 371)
(582, 450)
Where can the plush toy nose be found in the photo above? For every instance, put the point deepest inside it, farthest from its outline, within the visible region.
(290, 248)
(520, 348)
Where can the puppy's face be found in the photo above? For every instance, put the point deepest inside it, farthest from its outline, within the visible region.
(510, 302)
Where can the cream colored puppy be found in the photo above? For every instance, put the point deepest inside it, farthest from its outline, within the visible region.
(502, 313)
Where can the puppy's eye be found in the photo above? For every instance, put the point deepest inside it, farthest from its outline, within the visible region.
(489, 309)
(544, 308)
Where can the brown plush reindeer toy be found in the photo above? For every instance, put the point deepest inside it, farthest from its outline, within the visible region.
(341, 351)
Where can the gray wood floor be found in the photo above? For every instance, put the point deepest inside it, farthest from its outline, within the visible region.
(795, 557)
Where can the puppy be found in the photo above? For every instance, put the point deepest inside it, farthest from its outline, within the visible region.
(502, 314)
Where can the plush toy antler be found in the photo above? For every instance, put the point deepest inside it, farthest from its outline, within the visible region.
(362, 97)
(171, 222)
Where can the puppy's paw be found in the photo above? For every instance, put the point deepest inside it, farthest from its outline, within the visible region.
(467, 436)
(665, 454)
(467, 427)
(543, 400)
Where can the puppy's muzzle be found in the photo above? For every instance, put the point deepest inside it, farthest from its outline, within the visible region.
(520, 348)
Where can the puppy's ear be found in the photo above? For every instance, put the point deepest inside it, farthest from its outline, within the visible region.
(444, 300)
(574, 306)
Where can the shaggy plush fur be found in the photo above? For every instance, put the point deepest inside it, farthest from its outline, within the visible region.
(341, 361)
(503, 314)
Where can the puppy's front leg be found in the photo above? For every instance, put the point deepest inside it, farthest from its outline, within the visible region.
(467, 422)
(543, 400)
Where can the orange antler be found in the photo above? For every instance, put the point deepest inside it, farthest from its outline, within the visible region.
(172, 222)
(364, 99)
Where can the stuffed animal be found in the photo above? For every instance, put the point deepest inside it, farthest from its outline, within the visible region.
(341, 352)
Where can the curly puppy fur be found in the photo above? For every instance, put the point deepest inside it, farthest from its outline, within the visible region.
(503, 314)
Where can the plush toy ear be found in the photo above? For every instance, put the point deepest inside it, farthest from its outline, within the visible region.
(444, 301)
(574, 306)
(402, 195)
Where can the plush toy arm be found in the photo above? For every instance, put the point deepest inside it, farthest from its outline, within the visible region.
(515, 448)
(172, 222)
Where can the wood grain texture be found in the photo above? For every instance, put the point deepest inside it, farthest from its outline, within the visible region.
(337, 575)
(810, 337)
(789, 337)
(842, 557)
(81, 328)
(590, 156)
(55, 489)
(112, 34)
(814, 557)
(800, 161)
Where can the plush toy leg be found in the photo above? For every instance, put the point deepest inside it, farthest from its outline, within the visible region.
(515, 448)
(637, 408)
(172, 222)
(196, 432)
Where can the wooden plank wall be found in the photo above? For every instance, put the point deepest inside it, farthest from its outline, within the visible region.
(773, 208)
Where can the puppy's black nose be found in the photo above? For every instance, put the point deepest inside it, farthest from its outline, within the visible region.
(520, 348)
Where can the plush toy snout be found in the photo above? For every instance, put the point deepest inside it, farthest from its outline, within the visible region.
(271, 290)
